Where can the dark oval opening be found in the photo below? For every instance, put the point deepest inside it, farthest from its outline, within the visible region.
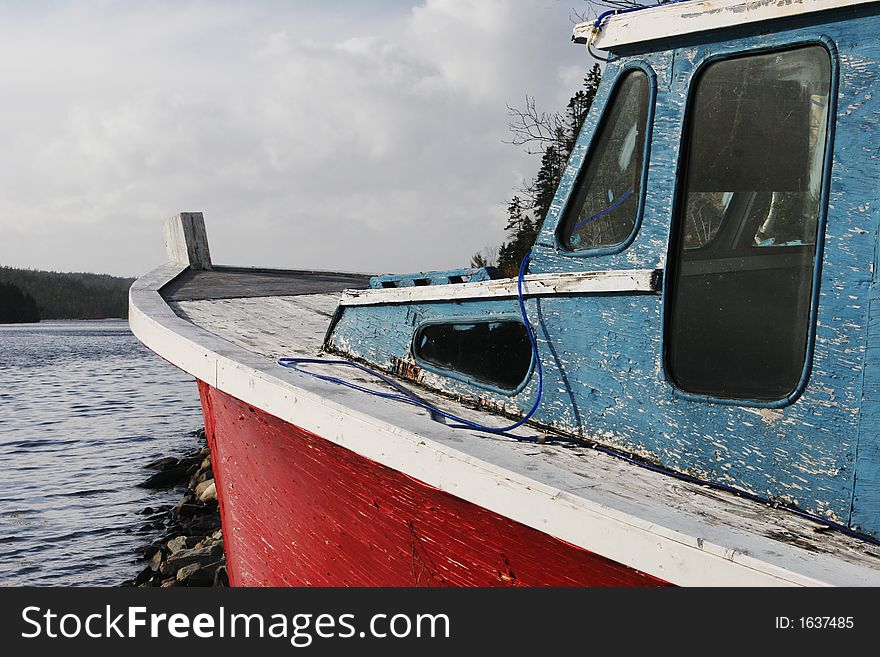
(495, 353)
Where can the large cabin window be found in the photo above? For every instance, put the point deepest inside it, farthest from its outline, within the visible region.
(493, 353)
(604, 210)
(742, 258)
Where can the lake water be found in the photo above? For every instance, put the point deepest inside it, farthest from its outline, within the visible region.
(83, 407)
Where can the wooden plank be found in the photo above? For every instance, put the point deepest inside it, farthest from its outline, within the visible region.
(679, 19)
(186, 241)
(270, 326)
(534, 285)
(241, 282)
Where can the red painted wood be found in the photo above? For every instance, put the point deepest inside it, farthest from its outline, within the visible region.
(300, 510)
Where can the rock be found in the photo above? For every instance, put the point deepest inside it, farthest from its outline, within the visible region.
(144, 576)
(202, 486)
(179, 543)
(204, 525)
(184, 573)
(162, 464)
(202, 556)
(166, 478)
(221, 577)
(155, 561)
(188, 510)
(190, 549)
(209, 493)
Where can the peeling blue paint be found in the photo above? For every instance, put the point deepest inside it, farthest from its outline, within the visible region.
(602, 354)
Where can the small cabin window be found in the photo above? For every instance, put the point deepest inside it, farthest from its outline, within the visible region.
(493, 353)
(743, 252)
(604, 210)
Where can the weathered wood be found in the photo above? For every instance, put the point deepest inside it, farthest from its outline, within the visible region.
(270, 326)
(186, 241)
(678, 19)
(233, 282)
(534, 285)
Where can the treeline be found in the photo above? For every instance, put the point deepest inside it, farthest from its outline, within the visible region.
(552, 136)
(16, 306)
(55, 295)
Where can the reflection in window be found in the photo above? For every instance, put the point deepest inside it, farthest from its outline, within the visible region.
(741, 270)
(495, 353)
(605, 207)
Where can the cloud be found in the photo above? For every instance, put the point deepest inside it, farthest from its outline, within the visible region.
(355, 135)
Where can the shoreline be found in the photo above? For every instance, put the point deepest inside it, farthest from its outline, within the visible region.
(189, 551)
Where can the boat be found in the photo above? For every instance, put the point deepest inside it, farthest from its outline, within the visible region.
(680, 388)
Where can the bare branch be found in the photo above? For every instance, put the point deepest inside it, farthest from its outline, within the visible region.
(534, 129)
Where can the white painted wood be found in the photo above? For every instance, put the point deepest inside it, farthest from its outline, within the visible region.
(534, 285)
(186, 240)
(679, 19)
(680, 532)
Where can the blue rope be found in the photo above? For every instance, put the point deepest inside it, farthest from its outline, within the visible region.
(408, 397)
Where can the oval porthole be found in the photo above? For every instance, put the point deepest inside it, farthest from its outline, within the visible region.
(495, 354)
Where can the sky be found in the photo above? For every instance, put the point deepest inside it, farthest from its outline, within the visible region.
(350, 135)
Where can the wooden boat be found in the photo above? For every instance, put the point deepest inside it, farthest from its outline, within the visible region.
(694, 343)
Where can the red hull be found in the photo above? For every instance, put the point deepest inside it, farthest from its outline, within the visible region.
(299, 510)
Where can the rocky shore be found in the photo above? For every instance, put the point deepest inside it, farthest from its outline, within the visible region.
(189, 551)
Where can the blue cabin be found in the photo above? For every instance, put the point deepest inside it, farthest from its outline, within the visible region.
(703, 291)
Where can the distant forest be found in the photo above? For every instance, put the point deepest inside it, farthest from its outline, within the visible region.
(28, 295)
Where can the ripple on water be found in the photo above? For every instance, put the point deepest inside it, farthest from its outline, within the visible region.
(88, 407)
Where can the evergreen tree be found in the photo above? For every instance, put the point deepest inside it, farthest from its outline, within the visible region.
(16, 306)
(556, 135)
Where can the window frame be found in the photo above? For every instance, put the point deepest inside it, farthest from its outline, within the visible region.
(676, 219)
(460, 376)
(644, 67)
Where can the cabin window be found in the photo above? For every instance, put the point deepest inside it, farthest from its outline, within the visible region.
(604, 210)
(742, 257)
(497, 354)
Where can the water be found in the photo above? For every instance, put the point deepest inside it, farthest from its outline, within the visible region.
(83, 407)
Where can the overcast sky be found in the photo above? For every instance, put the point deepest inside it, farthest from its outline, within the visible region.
(359, 135)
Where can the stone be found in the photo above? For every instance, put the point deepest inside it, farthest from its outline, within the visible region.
(162, 464)
(188, 510)
(143, 577)
(155, 561)
(179, 543)
(201, 556)
(165, 478)
(202, 486)
(184, 573)
(209, 493)
(221, 577)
